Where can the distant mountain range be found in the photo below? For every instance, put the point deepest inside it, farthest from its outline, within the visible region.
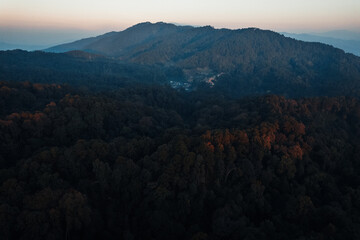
(340, 34)
(10, 46)
(349, 42)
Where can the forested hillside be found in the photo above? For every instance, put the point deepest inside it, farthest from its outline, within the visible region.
(95, 72)
(241, 62)
(76, 68)
(147, 162)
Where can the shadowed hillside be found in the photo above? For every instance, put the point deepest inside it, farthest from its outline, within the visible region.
(241, 62)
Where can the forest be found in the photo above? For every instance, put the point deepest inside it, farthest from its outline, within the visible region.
(151, 162)
(251, 61)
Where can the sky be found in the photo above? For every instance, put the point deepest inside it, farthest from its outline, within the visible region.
(46, 22)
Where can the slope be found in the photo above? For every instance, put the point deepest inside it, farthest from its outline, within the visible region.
(239, 62)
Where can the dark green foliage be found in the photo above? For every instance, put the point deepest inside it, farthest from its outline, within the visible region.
(80, 69)
(155, 163)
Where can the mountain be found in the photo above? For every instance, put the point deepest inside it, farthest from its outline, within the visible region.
(77, 45)
(7, 46)
(340, 34)
(240, 62)
(10, 46)
(118, 43)
(348, 45)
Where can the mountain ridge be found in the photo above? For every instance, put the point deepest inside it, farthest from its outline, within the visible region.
(86, 43)
(348, 45)
(11, 46)
(240, 62)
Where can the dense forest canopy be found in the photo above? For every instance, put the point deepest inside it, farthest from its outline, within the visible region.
(156, 163)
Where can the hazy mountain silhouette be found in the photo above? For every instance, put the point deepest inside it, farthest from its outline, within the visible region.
(340, 34)
(348, 45)
(11, 46)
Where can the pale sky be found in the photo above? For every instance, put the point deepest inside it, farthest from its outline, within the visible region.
(100, 16)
